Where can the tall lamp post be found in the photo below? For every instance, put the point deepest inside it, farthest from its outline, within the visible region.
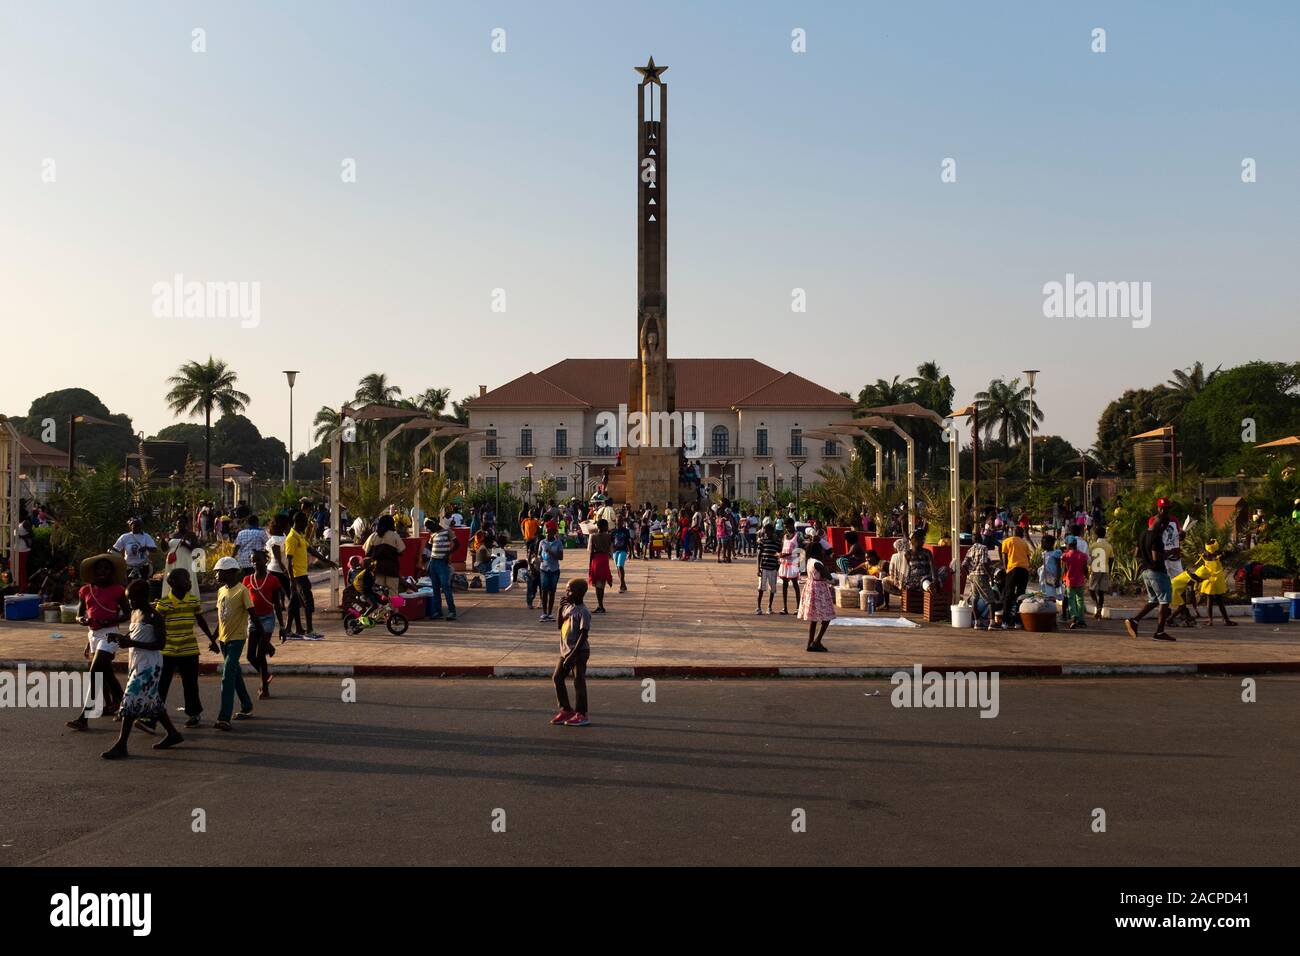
(291, 375)
(796, 464)
(528, 471)
(1031, 374)
(582, 481)
(496, 464)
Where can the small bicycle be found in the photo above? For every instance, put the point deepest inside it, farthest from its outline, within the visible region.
(389, 611)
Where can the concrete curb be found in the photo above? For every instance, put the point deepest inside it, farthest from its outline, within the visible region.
(706, 672)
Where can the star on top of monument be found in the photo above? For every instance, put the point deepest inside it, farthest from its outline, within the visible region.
(650, 72)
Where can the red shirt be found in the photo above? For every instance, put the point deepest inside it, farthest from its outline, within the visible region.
(263, 593)
(102, 603)
(1075, 564)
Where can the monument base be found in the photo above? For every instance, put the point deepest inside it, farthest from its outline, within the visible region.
(652, 475)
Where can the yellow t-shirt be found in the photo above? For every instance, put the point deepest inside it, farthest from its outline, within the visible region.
(1015, 553)
(178, 613)
(233, 604)
(530, 528)
(295, 550)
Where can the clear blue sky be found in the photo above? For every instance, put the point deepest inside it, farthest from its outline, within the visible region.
(479, 170)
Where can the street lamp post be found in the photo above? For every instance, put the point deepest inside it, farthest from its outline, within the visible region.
(291, 375)
(528, 471)
(497, 464)
(582, 481)
(1032, 374)
(796, 464)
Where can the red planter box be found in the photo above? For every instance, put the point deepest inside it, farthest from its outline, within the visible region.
(941, 557)
(883, 545)
(836, 535)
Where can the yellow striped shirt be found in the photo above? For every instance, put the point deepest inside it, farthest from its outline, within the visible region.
(178, 613)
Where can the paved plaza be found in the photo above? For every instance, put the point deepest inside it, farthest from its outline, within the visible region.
(700, 615)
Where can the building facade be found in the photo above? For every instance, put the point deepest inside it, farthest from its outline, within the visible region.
(750, 420)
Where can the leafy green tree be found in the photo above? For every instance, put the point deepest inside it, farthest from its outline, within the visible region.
(1266, 393)
(94, 442)
(1136, 411)
(187, 432)
(198, 388)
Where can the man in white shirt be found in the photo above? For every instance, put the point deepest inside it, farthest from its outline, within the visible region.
(136, 547)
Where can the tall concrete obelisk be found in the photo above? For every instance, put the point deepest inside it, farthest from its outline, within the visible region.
(652, 470)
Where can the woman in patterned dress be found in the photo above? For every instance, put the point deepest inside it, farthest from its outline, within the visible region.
(817, 606)
(141, 701)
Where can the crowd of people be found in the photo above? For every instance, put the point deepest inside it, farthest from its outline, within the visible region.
(264, 583)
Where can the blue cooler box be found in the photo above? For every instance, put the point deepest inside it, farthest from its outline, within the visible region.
(22, 607)
(1271, 610)
(1294, 598)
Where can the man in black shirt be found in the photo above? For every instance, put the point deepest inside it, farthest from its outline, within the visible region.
(1151, 558)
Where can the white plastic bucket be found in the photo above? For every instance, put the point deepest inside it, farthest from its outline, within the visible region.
(961, 615)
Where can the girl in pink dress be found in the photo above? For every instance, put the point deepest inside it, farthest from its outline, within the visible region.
(816, 605)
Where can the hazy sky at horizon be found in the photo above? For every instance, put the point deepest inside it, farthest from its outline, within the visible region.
(478, 171)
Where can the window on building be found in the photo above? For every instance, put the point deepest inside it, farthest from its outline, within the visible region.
(561, 482)
(561, 441)
(796, 441)
(525, 441)
(491, 444)
(760, 442)
(721, 440)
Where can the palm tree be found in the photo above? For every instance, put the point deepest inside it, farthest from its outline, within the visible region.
(327, 421)
(885, 393)
(374, 388)
(199, 387)
(1182, 388)
(932, 388)
(1004, 409)
(433, 401)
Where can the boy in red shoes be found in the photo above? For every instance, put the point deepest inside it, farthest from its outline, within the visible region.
(575, 625)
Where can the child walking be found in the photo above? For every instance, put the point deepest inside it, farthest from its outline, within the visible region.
(101, 606)
(234, 625)
(550, 553)
(1074, 563)
(268, 607)
(789, 570)
(575, 627)
(145, 638)
(180, 611)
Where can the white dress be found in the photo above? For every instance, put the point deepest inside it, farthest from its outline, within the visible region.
(141, 697)
(179, 555)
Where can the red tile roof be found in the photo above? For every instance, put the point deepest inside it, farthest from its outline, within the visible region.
(41, 453)
(700, 383)
(530, 389)
(793, 391)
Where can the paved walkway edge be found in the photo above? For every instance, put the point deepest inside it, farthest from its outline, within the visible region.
(761, 672)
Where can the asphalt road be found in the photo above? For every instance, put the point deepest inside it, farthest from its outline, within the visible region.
(710, 773)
